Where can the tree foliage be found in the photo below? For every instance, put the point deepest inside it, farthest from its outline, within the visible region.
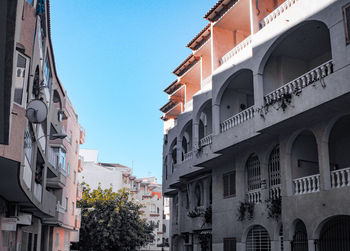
(111, 222)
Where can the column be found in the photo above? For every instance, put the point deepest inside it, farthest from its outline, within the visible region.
(195, 134)
(286, 169)
(323, 160)
(258, 90)
(179, 150)
(216, 119)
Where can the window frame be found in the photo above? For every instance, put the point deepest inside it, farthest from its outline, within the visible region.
(346, 23)
(229, 195)
(25, 81)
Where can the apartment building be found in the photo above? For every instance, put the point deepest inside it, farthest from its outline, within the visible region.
(256, 140)
(36, 150)
(145, 191)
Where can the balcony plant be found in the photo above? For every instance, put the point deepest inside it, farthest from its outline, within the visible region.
(245, 211)
(273, 207)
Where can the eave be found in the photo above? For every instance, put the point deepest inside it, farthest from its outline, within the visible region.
(219, 9)
(200, 39)
(186, 65)
(174, 86)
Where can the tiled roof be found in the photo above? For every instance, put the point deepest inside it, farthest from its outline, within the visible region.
(185, 65)
(172, 87)
(168, 106)
(219, 9)
(200, 39)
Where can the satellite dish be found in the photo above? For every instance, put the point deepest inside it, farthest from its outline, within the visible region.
(36, 111)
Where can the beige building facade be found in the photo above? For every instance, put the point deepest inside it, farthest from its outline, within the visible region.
(34, 151)
(256, 140)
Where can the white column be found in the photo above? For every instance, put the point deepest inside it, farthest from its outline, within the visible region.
(258, 84)
(179, 150)
(311, 244)
(286, 170)
(195, 134)
(324, 166)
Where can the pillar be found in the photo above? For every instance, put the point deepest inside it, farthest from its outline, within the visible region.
(216, 119)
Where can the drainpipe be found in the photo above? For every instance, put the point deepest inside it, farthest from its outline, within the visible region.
(257, 6)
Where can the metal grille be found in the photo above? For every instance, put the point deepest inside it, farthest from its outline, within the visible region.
(299, 242)
(258, 239)
(274, 167)
(335, 235)
(253, 169)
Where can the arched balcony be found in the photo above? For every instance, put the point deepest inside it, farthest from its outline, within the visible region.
(253, 174)
(274, 173)
(339, 150)
(300, 57)
(305, 167)
(205, 125)
(186, 143)
(237, 100)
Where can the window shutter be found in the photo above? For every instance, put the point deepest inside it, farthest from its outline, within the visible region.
(226, 181)
(233, 183)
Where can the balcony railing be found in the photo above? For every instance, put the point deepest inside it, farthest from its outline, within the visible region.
(298, 84)
(277, 12)
(275, 192)
(308, 184)
(60, 208)
(254, 196)
(188, 156)
(237, 119)
(206, 84)
(207, 140)
(189, 106)
(340, 178)
(239, 47)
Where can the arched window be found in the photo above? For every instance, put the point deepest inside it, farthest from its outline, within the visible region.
(274, 173)
(253, 172)
(335, 234)
(258, 239)
(300, 242)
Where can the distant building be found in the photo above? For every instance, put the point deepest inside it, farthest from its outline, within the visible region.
(256, 151)
(143, 190)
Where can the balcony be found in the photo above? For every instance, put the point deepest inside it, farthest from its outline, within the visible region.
(188, 156)
(277, 12)
(237, 119)
(207, 140)
(275, 192)
(296, 86)
(308, 184)
(254, 196)
(237, 49)
(79, 192)
(57, 182)
(340, 178)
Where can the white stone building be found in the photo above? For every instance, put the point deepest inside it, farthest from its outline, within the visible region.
(143, 190)
(256, 131)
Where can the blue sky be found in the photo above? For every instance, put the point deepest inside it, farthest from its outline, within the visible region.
(115, 57)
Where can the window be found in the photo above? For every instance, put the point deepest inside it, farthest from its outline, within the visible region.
(28, 144)
(21, 78)
(62, 156)
(346, 14)
(258, 239)
(229, 184)
(31, 2)
(253, 170)
(197, 192)
(229, 244)
(68, 169)
(72, 208)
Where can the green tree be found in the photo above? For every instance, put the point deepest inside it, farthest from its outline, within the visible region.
(111, 222)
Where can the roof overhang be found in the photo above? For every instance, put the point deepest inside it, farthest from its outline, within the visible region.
(200, 39)
(173, 87)
(186, 65)
(219, 9)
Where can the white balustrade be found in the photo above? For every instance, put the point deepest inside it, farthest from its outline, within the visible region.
(277, 12)
(188, 156)
(340, 178)
(254, 196)
(189, 106)
(301, 82)
(237, 119)
(239, 47)
(206, 84)
(275, 192)
(207, 140)
(309, 184)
